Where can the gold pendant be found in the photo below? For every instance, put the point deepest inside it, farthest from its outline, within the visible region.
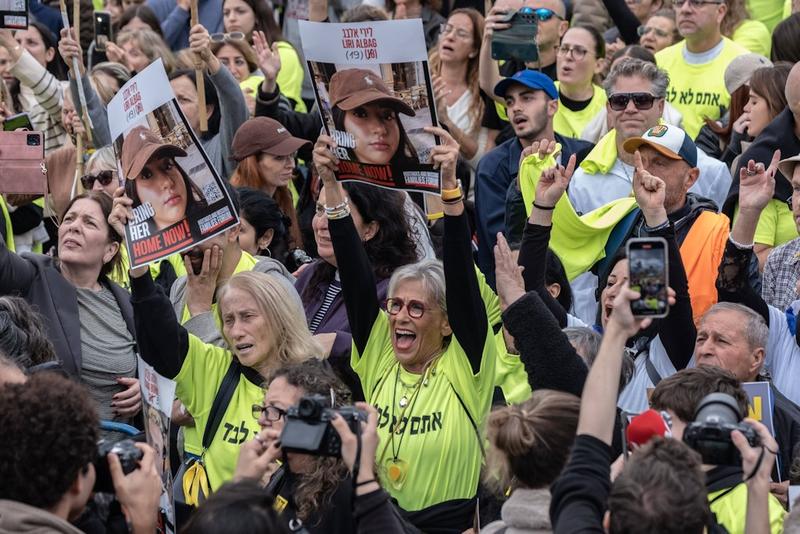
(396, 471)
(403, 401)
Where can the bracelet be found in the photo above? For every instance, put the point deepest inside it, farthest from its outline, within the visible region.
(449, 194)
(340, 211)
(739, 245)
(455, 200)
(545, 208)
(651, 229)
(364, 483)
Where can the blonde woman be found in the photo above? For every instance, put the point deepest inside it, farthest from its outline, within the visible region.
(264, 328)
(136, 49)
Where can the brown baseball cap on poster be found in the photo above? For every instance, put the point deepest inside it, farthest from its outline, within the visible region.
(351, 88)
(139, 146)
(263, 134)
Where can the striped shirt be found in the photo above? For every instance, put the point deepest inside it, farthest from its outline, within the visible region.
(330, 295)
(40, 96)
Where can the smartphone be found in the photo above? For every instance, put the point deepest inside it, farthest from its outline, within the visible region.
(519, 40)
(20, 121)
(647, 260)
(22, 168)
(102, 30)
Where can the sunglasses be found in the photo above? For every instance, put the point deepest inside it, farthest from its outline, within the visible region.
(619, 101)
(542, 13)
(223, 37)
(414, 308)
(104, 177)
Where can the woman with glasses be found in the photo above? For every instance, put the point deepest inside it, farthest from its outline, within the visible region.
(244, 19)
(317, 490)
(660, 31)
(460, 103)
(88, 318)
(580, 57)
(427, 362)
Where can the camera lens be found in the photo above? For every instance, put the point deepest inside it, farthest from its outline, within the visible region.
(34, 140)
(308, 408)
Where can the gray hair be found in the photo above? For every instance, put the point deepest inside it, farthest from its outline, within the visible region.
(629, 67)
(103, 157)
(429, 273)
(756, 331)
(586, 342)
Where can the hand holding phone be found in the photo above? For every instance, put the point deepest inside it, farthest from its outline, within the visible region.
(102, 30)
(518, 41)
(20, 121)
(648, 266)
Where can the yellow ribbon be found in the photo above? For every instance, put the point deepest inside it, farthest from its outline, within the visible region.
(195, 484)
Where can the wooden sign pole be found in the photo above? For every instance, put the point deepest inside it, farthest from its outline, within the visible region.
(198, 74)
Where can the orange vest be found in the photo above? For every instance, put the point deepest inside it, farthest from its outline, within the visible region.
(701, 253)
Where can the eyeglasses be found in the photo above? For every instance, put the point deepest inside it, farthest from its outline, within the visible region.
(577, 52)
(619, 101)
(677, 4)
(223, 37)
(271, 413)
(461, 33)
(542, 13)
(644, 30)
(414, 308)
(104, 177)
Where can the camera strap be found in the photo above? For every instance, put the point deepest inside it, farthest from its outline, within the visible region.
(221, 401)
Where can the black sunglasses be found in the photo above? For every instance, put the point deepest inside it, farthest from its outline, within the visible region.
(104, 177)
(619, 101)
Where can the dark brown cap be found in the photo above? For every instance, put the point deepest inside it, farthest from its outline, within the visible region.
(351, 88)
(263, 134)
(139, 146)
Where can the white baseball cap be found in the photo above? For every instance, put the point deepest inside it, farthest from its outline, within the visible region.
(668, 140)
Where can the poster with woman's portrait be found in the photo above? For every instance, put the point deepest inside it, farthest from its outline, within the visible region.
(374, 93)
(157, 395)
(178, 197)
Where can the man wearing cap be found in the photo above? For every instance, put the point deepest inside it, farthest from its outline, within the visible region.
(636, 90)
(782, 270)
(696, 65)
(670, 154)
(531, 99)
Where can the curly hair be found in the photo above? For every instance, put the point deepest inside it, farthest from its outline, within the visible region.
(315, 488)
(49, 434)
(22, 336)
(392, 246)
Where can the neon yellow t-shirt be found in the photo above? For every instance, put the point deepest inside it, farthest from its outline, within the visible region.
(698, 91)
(436, 442)
(776, 225)
(571, 123)
(192, 437)
(754, 36)
(122, 278)
(197, 384)
(290, 77)
(769, 12)
(731, 510)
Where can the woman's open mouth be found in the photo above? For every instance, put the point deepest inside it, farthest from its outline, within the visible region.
(404, 339)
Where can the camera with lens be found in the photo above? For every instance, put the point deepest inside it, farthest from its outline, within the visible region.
(710, 432)
(307, 428)
(129, 457)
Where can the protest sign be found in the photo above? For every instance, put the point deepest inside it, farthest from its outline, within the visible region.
(373, 90)
(179, 199)
(762, 407)
(14, 14)
(157, 395)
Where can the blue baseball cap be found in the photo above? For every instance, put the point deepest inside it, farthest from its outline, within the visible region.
(529, 78)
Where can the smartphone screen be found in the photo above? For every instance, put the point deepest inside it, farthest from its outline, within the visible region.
(647, 259)
(102, 30)
(20, 121)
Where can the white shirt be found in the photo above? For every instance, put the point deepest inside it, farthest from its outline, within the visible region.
(783, 356)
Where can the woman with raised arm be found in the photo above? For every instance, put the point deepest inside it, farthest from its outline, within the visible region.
(427, 363)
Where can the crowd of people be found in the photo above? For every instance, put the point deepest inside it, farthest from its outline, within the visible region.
(499, 377)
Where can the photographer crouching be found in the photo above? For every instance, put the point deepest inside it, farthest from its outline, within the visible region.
(326, 480)
(49, 461)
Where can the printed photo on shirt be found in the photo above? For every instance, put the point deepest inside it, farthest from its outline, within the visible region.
(178, 197)
(373, 90)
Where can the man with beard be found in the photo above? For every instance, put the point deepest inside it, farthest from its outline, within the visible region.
(531, 99)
